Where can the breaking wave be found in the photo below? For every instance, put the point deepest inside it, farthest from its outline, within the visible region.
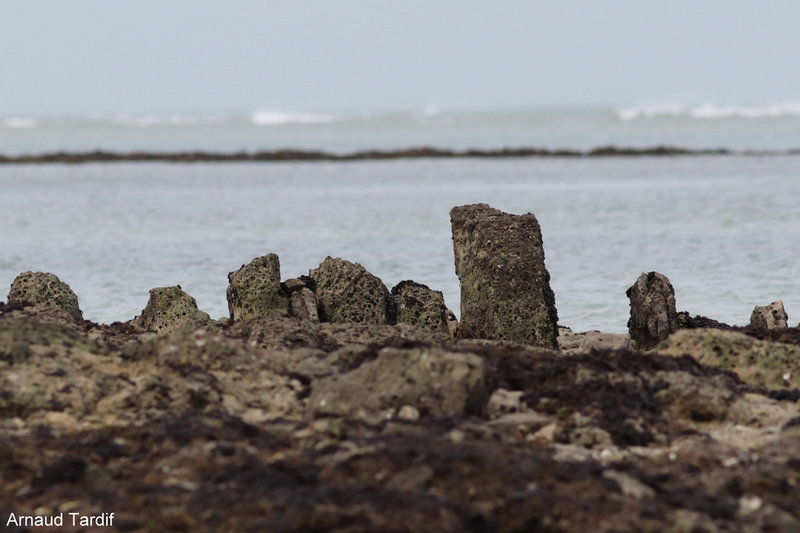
(162, 120)
(19, 123)
(277, 118)
(710, 111)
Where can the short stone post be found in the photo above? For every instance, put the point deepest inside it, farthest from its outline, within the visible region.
(653, 314)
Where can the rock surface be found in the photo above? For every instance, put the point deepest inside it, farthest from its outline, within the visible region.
(436, 382)
(505, 287)
(221, 428)
(169, 309)
(255, 290)
(44, 290)
(759, 362)
(419, 305)
(653, 313)
(346, 292)
(772, 316)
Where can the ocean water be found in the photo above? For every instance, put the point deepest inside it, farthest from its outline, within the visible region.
(725, 229)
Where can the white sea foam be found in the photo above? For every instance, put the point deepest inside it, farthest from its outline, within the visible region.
(650, 111)
(775, 110)
(265, 117)
(710, 111)
(162, 120)
(428, 111)
(19, 123)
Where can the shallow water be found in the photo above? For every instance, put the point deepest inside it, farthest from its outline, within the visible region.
(722, 228)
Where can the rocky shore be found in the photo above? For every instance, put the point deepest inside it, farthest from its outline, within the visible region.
(328, 402)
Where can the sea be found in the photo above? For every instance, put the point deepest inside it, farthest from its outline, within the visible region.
(724, 228)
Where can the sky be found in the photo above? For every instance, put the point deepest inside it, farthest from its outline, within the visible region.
(100, 56)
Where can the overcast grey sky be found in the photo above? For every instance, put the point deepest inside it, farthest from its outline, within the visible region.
(102, 56)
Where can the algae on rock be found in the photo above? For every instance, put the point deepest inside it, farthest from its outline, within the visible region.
(758, 362)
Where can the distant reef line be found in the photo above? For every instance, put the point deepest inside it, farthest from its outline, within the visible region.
(370, 155)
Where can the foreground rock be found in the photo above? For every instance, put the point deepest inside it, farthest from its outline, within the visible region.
(255, 290)
(222, 428)
(653, 313)
(433, 382)
(44, 290)
(505, 287)
(346, 292)
(170, 309)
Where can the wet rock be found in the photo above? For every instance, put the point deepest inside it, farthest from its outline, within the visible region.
(303, 305)
(255, 290)
(346, 292)
(653, 314)
(44, 290)
(434, 381)
(421, 306)
(758, 362)
(768, 317)
(505, 287)
(169, 309)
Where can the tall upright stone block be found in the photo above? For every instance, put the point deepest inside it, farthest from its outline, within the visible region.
(653, 313)
(505, 287)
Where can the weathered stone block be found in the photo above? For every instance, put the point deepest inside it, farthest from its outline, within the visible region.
(255, 290)
(772, 316)
(419, 305)
(653, 314)
(505, 287)
(346, 292)
(43, 289)
(170, 309)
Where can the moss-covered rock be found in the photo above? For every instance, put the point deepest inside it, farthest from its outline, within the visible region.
(758, 362)
(419, 305)
(43, 289)
(19, 334)
(505, 287)
(346, 292)
(255, 290)
(170, 309)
